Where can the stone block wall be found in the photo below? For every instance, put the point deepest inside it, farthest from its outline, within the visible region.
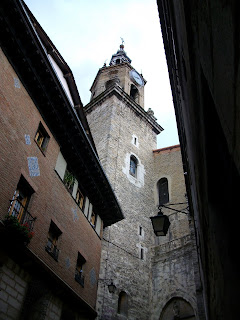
(156, 273)
(125, 254)
(168, 164)
(13, 286)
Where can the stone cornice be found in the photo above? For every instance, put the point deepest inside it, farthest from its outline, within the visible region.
(123, 96)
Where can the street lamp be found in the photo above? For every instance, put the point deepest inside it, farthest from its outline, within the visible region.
(111, 287)
(160, 224)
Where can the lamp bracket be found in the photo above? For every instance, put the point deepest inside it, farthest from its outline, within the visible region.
(174, 204)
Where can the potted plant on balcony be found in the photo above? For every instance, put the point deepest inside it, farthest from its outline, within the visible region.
(19, 233)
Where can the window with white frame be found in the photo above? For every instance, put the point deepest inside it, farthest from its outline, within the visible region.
(74, 188)
(133, 166)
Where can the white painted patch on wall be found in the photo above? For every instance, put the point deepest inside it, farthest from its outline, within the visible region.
(33, 167)
(27, 139)
(17, 83)
(138, 181)
(75, 215)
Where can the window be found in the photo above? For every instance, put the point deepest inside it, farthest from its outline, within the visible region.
(133, 166)
(135, 141)
(42, 138)
(140, 231)
(123, 303)
(53, 235)
(20, 201)
(134, 94)
(93, 219)
(80, 199)
(163, 191)
(69, 180)
(79, 274)
(142, 253)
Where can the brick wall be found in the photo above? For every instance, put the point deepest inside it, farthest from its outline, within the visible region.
(50, 200)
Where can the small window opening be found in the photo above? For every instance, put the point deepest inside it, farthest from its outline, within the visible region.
(118, 61)
(69, 180)
(163, 191)
(134, 93)
(80, 199)
(123, 303)
(93, 219)
(140, 231)
(135, 141)
(52, 244)
(79, 274)
(133, 166)
(112, 82)
(142, 253)
(42, 138)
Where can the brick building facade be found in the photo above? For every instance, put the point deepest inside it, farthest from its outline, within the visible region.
(55, 197)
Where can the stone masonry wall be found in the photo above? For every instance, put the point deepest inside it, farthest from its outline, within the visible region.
(150, 270)
(13, 285)
(173, 256)
(113, 125)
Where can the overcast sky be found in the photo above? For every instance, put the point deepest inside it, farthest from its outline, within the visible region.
(88, 32)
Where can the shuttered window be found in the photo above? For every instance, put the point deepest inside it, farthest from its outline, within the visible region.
(163, 191)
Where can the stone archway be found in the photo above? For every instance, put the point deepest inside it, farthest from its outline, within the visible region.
(177, 309)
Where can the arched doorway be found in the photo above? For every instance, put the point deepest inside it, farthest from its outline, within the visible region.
(177, 309)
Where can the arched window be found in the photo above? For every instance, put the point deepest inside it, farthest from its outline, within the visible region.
(123, 303)
(133, 166)
(134, 93)
(112, 82)
(163, 191)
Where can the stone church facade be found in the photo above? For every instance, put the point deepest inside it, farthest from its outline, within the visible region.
(155, 277)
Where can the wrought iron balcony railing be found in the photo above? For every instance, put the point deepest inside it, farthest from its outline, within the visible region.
(18, 211)
(52, 249)
(79, 277)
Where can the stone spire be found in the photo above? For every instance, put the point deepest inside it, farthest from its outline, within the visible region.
(120, 56)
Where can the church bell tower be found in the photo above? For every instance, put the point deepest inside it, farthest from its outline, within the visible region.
(125, 136)
(122, 73)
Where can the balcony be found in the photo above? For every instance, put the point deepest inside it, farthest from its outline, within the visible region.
(18, 211)
(52, 249)
(19, 223)
(79, 277)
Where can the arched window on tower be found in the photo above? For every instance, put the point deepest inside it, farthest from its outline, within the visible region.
(163, 191)
(134, 93)
(123, 304)
(112, 82)
(133, 166)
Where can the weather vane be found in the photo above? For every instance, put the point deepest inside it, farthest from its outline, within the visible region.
(122, 40)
